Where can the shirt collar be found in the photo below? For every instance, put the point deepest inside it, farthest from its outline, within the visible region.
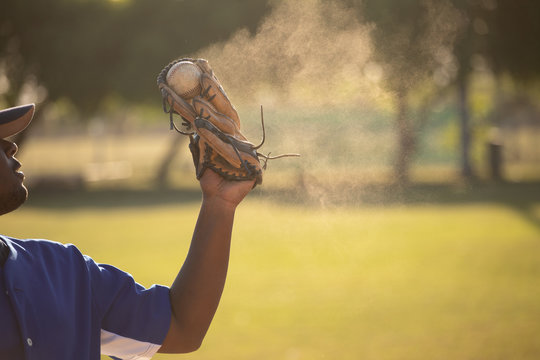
(4, 252)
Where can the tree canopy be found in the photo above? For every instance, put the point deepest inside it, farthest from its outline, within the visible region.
(88, 50)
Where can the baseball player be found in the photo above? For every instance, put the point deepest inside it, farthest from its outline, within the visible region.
(56, 303)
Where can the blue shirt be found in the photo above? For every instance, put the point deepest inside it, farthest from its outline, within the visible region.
(63, 305)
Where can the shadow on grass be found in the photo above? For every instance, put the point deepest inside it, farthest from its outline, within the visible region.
(109, 198)
(522, 197)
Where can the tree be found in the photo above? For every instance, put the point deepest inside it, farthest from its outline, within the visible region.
(410, 39)
(88, 50)
(512, 38)
(503, 32)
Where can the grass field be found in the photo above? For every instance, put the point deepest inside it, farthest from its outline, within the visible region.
(408, 280)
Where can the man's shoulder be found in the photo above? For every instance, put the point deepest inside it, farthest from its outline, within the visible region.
(41, 247)
(35, 243)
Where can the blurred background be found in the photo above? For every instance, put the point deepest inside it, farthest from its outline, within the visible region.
(408, 229)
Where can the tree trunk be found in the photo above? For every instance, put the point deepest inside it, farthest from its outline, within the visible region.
(406, 140)
(162, 177)
(465, 133)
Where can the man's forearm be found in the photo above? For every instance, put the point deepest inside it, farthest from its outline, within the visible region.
(197, 289)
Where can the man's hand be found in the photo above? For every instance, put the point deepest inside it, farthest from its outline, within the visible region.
(217, 190)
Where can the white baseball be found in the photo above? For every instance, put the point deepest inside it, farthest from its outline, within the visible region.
(184, 78)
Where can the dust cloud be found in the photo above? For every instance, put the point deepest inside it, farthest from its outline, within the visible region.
(314, 67)
(308, 53)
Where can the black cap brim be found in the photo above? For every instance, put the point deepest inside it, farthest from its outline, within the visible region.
(15, 119)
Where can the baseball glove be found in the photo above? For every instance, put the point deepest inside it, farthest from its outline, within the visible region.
(213, 126)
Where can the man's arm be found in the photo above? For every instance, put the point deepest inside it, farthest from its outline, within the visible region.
(196, 291)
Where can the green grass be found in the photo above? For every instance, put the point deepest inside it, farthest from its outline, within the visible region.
(452, 280)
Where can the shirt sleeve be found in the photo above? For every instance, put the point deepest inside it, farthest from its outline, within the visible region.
(134, 319)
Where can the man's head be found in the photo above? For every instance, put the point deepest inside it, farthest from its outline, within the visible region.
(12, 191)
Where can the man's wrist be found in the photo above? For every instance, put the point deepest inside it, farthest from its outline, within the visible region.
(217, 203)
